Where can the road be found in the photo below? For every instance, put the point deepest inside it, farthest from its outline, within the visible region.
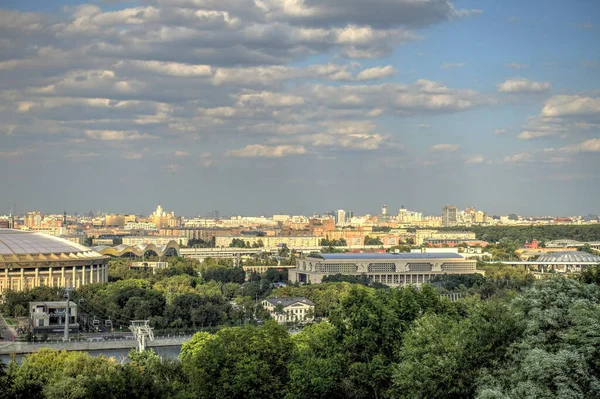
(7, 333)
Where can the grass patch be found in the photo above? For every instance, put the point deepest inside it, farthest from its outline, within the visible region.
(10, 322)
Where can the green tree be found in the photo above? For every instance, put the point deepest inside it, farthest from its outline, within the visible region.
(373, 241)
(239, 362)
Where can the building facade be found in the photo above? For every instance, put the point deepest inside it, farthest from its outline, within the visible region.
(289, 310)
(392, 269)
(449, 216)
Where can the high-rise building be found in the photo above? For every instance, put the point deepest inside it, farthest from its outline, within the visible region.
(341, 217)
(33, 219)
(384, 210)
(449, 216)
(480, 217)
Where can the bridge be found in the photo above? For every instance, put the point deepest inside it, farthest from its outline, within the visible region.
(90, 344)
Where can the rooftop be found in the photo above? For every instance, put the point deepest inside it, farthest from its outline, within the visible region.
(285, 302)
(17, 242)
(378, 256)
(569, 256)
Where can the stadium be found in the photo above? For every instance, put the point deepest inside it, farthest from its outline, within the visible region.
(29, 260)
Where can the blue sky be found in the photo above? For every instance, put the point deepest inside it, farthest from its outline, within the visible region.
(300, 106)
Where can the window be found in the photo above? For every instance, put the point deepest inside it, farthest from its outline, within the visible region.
(382, 267)
(419, 267)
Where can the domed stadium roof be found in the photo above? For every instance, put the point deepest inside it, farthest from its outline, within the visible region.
(569, 256)
(17, 243)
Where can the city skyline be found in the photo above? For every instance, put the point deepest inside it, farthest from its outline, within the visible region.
(332, 213)
(261, 107)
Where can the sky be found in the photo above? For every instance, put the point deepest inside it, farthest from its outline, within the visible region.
(300, 106)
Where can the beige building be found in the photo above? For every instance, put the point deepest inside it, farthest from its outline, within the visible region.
(29, 260)
(393, 269)
(49, 317)
(289, 310)
(269, 242)
(434, 235)
(156, 240)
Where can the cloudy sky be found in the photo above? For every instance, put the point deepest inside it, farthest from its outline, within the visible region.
(297, 106)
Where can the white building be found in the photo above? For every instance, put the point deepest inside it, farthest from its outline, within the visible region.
(288, 310)
(341, 217)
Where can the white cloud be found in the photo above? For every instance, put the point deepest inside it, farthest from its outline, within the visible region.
(564, 116)
(116, 135)
(546, 156)
(424, 126)
(521, 85)
(520, 157)
(474, 159)
(453, 65)
(529, 135)
(444, 148)
(376, 73)
(500, 132)
(266, 151)
(571, 105)
(591, 145)
(515, 65)
(181, 154)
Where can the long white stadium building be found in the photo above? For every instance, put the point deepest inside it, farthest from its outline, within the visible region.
(393, 269)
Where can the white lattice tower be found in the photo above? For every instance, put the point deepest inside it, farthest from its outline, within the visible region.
(141, 330)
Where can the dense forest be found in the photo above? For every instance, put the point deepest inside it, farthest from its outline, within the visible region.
(509, 337)
(523, 234)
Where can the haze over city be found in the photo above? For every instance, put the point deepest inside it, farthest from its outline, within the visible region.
(264, 107)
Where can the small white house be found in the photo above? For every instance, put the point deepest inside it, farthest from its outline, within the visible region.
(288, 310)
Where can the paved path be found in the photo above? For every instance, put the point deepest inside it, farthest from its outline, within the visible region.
(7, 332)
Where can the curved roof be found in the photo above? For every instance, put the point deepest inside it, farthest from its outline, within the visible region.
(138, 250)
(569, 256)
(17, 243)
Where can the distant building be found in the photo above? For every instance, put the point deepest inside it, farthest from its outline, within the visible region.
(149, 265)
(435, 237)
(449, 216)
(393, 269)
(341, 217)
(287, 310)
(269, 242)
(156, 240)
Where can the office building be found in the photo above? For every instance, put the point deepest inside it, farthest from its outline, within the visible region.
(449, 216)
(341, 217)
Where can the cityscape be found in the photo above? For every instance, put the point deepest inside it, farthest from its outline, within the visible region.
(299, 199)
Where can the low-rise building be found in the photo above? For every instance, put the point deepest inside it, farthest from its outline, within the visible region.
(49, 317)
(289, 310)
(392, 269)
(156, 240)
(290, 242)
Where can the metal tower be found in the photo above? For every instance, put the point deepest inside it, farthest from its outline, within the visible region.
(141, 330)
